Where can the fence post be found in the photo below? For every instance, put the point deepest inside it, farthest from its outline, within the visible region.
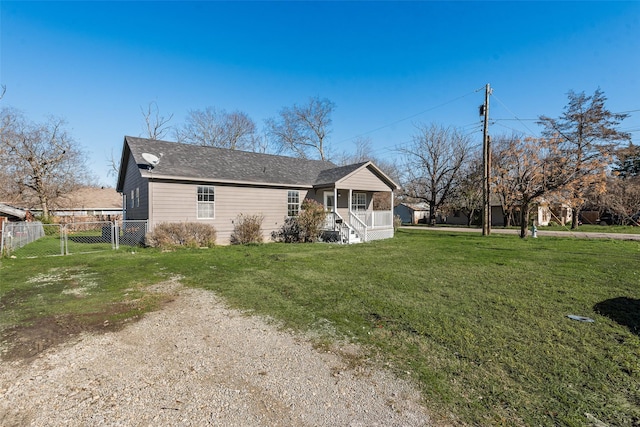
(64, 236)
(2, 240)
(114, 235)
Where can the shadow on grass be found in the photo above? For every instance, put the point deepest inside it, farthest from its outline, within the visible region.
(625, 311)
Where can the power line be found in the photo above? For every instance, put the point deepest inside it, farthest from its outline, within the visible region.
(514, 115)
(409, 117)
(512, 129)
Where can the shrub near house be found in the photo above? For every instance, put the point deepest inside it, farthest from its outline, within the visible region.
(306, 227)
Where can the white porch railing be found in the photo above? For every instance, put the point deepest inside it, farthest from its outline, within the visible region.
(367, 225)
(375, 219)
(358, 225)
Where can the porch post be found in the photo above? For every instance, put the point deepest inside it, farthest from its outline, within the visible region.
(349, 206)
(392, 216)
(335, 200)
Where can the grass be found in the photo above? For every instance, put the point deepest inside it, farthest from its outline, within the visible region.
(585, 228)
(479, 323)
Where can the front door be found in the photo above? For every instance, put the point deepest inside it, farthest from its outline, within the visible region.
(329, 201)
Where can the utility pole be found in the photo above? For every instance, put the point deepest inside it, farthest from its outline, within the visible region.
(486, 165)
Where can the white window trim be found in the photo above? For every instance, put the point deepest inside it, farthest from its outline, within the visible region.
(208, 203)
(354, 196)
(329, 195)
(294, 203)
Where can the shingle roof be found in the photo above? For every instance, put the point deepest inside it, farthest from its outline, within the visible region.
(210, 163)
(329, 176)
(11, 211)
(90, 198)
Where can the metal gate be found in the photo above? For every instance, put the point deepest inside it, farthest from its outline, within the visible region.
(35, 239)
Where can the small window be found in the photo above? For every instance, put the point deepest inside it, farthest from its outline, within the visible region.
(131, 200)
(137, 197)
(293, 203)
(359, 202)
(206, 202)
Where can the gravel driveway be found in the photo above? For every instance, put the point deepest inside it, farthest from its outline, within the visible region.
(197, 363)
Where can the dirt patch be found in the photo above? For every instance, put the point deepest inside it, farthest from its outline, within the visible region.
(24, 339)
(26, 342)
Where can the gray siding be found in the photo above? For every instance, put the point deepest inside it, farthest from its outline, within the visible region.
(176, 202)
(133, 180)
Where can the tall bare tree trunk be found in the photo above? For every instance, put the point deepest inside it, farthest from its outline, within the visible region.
(525, 211)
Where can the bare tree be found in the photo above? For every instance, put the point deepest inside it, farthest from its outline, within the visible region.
(218, 128)
(467, 197)
(364, 152)
(433, 164)
(622, 198)
(504, 161)
(41, 159)
(303, 129)
(587, 135)
(156, 126)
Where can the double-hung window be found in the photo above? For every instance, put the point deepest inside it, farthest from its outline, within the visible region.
(293, 203)
(359, 202)
(206, 202)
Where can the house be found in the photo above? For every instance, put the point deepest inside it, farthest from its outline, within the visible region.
(412, 213)
(86, 204)
(163, 181)
(9, 213)
(552, 212)
(459, 217)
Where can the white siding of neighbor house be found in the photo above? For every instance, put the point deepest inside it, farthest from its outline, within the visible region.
(135, 180)
(364, 179)
(177, 202)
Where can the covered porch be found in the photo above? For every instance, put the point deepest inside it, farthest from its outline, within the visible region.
(357, 215)
(359, 202)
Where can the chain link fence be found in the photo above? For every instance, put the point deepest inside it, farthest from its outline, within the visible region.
(130, 232)
(35, 239)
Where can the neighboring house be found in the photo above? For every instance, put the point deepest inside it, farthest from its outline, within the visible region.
(86, 204)
(9, 213)
(163, 181)
(554, 212)
(412, 213)
(460, 218)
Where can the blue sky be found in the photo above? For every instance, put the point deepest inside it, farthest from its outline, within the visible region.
(386, 65)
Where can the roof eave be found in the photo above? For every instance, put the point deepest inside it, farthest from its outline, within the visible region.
(388, 181)
(150, 175)
(124, 160)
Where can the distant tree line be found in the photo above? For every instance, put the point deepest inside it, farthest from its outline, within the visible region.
(581, 160)
(581, 157)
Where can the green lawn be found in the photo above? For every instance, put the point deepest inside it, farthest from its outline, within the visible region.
(478, 322)
(585, 228)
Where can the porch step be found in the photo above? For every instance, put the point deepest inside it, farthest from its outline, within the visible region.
(353, 236)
